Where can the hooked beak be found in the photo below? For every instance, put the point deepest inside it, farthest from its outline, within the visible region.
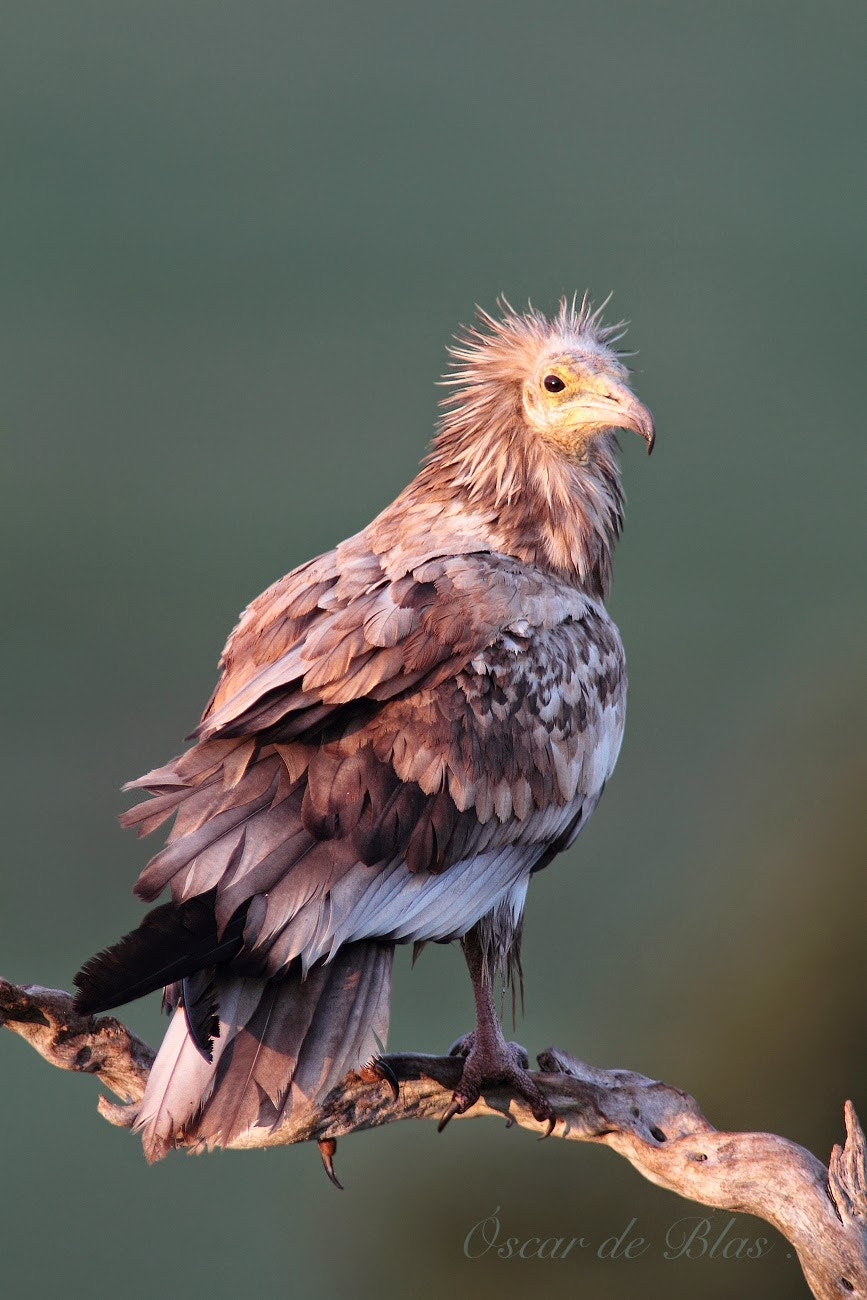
(616, 405)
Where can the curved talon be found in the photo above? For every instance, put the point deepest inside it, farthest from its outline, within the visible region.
(327, 1147)
(383, 1071)
(552, 1120)
(454, 1108)
(461, 1046)
(378, 1070)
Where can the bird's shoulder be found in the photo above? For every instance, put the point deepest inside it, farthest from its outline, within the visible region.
(381, 613)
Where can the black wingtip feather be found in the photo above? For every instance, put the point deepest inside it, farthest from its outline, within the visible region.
(172, 942)
(202, 1012)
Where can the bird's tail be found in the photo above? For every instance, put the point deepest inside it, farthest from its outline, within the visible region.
(242, 1051)
(281, 1045)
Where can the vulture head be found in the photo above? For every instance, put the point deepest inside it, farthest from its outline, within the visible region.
(562, 375)
(528, 437)
(575, 392)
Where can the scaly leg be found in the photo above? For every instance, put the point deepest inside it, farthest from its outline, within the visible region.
(489, 1058)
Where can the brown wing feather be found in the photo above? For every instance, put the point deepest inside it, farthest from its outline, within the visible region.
(500, 718)
(369, 636)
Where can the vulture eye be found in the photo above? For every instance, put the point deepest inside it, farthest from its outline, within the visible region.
(553, 384)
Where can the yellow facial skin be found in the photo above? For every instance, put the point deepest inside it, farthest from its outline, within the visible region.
(593, 398)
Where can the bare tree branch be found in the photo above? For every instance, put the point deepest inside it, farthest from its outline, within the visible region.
(47, 1019)
(659, 1129)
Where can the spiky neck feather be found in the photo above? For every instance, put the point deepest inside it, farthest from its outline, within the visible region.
(560, 513)
(492, 477)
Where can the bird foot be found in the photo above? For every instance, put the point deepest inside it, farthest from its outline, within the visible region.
(493, 1062)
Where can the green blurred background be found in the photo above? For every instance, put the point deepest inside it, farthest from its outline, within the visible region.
(235, 241)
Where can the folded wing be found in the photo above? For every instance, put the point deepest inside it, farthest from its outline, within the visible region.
(387, 754)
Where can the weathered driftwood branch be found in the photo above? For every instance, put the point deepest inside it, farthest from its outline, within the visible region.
(658, 1128)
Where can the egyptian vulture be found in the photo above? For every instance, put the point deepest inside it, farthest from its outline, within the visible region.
(404, 730)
